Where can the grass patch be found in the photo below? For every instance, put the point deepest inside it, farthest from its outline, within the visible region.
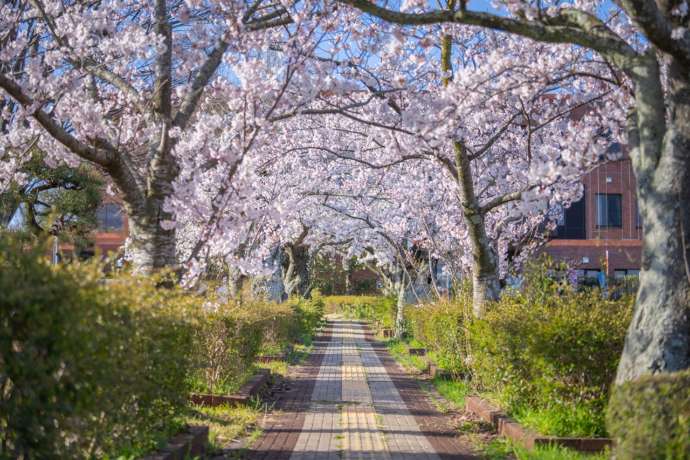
(500, 449)
(297, 355)
(562, 420)
(399, 349)
(154, 442)
(454, 391)
(226, 423)
(226, 387)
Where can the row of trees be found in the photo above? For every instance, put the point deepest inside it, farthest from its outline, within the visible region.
(233, 128)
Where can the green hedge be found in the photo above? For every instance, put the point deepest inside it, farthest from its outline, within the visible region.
(550, 354)
(441, 327)
(86, 372)
(377, 309)
(650, 418)
(547, 354)
(228, 338)
(103, 368)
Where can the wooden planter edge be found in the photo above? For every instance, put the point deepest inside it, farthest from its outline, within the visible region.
(509, 428)
(251, 388)
(190, 443)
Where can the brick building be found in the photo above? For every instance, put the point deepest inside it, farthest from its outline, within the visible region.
(113, 227)
(110, 234)
(603, 229)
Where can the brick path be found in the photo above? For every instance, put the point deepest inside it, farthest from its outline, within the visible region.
(349, 401)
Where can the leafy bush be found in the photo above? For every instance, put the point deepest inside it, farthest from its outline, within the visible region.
(547, 354)
(441, 327)
(103, 368)
(377, 309)
(552, 350)
(88, 368)
(650, 417)
(229, 336)
(308, 317)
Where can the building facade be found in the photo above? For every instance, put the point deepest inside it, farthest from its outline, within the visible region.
(602, 232)
(110, 234)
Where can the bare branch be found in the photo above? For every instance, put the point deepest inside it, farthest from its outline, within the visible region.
(101, 152)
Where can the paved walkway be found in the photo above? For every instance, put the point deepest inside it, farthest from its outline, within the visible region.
(350, 400)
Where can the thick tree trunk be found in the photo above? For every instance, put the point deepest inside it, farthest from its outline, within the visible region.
(485, 287)
(296, 275)
(149, 247)
(485, 283)
(658, 339)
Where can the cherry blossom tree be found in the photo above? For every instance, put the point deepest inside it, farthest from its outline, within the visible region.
(517, 161)
(144, 90)
(649, 43)
(512, 137)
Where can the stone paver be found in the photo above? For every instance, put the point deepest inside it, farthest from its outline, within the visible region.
(351, 401)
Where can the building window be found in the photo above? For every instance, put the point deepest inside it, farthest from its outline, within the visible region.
(609, 210)
(109, 217)
(592, 274)
(571, 223)
(624, 273)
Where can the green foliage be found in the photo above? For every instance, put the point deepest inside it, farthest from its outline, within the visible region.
(226, 423)
(94, 367)
(441, 327)
(454, 391)
(650, 418)
(399, 349)
(566, 418)
(229, 336)
(547, 354)
(379, 310)
(88, 368)
(551, 351)
(64, 194)
(502, 449)
(307, 317)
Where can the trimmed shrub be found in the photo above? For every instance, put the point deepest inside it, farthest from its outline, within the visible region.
(547, 354)
(228, 337)
(102, 368)
(308, 317)
(650, 417)
(441, 327)
(550, 348)
(379, 310)
(87, 370)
